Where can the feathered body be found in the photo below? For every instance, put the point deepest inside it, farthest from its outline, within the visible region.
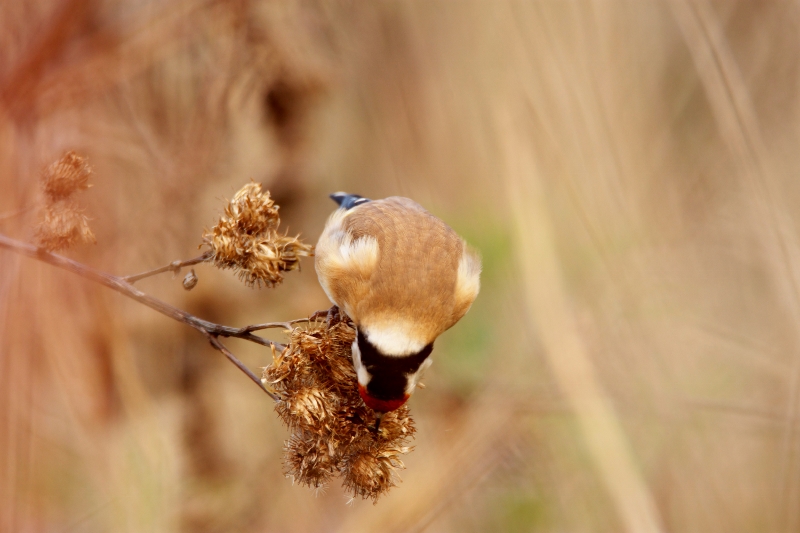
(404, 277)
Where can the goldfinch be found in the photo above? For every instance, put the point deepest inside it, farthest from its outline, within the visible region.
(403, 277)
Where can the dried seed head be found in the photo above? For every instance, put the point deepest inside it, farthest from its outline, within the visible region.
(309, 461)
(246, 239)
(332, 429)
(369, 473)
(309, 405)
(62, 222)
(67, 175)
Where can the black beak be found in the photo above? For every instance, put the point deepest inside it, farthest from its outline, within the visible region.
(378, 418)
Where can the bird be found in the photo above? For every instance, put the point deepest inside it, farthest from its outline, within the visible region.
(403, 277)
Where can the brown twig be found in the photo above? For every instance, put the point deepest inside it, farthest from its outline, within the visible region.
(121, 285)
(285, 325)
(232, 358)
(173, 267)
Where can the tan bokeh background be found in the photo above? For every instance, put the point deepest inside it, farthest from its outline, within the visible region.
(627, 169)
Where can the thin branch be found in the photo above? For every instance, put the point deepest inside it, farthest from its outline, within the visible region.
(119, 284)
(285, 325)
(232, 358)
(174, 267)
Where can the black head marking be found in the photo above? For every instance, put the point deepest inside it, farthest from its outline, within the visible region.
(348, 201)
(389, 374)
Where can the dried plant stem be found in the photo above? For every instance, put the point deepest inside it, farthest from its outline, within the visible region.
(119, 284)
(174, 267)
(267, 325)
(233, 359)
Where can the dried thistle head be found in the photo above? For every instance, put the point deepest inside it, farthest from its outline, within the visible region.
(332, 429)
(62, 222)
(309, 461)
(246, 239)
(369, 472)
(66, 176)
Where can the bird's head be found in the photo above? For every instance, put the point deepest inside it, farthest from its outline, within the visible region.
(385, 382)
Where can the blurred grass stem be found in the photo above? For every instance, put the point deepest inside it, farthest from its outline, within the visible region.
(738, 124)
(546, 297)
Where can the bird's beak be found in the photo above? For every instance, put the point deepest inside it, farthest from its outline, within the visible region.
(378, 418)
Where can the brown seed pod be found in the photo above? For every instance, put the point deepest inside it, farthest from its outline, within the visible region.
(246, 239)
(190, 280)
(332, 429)
(62, 225)
(61, 220)
(64, 177)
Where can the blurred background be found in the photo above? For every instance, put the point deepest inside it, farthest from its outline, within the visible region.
(627, 170)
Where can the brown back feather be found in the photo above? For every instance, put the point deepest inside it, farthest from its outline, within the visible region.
(417, 267)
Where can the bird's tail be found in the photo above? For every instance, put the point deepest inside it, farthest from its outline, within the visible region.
(348, 201)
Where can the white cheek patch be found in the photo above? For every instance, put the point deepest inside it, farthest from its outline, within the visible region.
(414, 378)
(468, 281)
(328, 256)
(360, 255)
(361, 371)
(339, 256)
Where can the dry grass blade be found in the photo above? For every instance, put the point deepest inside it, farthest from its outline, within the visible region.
(737, 122)
(573, 369)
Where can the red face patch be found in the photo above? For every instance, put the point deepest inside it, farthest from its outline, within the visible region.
(381, 406)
